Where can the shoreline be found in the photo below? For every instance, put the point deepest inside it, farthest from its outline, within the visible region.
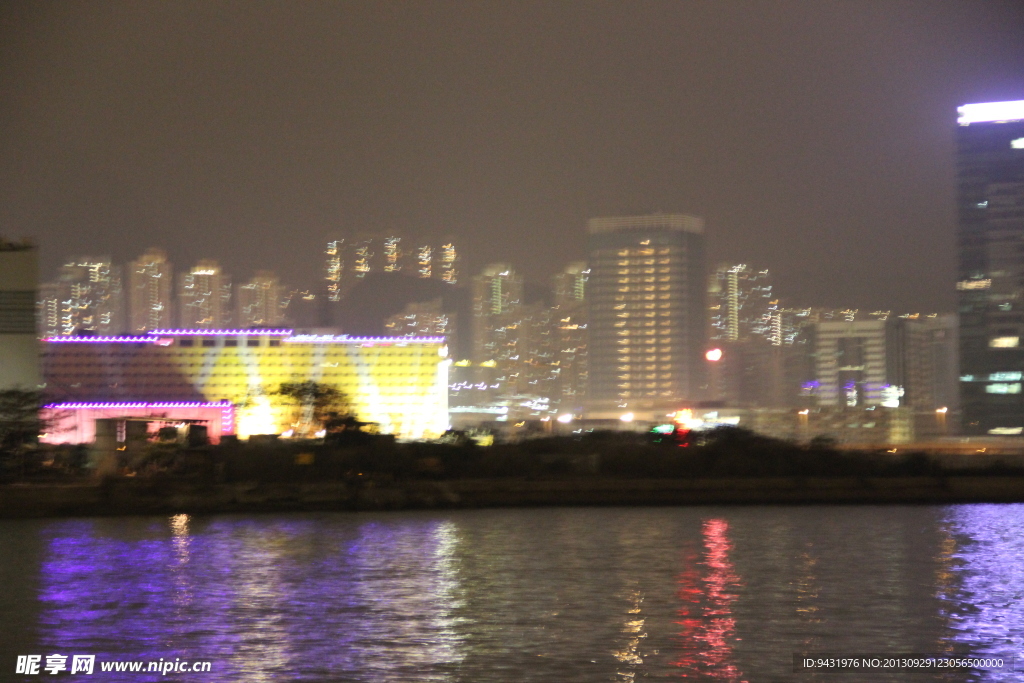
(141, 497)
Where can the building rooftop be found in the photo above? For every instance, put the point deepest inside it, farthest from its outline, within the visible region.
(658, 221)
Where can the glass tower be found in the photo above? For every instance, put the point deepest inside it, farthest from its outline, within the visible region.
(990, 286)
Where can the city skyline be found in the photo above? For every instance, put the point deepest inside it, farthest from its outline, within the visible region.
(812, 137)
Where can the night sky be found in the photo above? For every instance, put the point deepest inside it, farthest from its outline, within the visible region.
(814, 137)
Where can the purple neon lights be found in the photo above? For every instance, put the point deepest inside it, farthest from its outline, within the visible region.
(345, 339)
(159, 337)
(101, 340)
(94, 404)
(211, 333)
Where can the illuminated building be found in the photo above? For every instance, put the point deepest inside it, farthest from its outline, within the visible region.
(204, 296)
(260, 301)
(906, 362)
(647, 313)
(87, 297)
(741, 304)
(990, 284)
(399, 383)
(19, 346)
(150, 286)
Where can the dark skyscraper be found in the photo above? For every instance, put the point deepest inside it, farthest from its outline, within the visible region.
(647, 314)
(990, 286)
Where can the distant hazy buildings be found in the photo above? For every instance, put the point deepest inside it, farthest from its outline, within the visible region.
(349, 260)
(150, 286)
(990, 286)
(647, 313)
(86, 298)
(421, 319)
(204, 297)
(19, 348)
(260, 301)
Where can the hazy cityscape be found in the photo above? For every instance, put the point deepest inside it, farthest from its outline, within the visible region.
(470, 342)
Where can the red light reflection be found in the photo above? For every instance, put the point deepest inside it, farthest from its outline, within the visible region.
(705, 615)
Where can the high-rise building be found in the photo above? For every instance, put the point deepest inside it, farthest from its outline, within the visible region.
(87, 297)
(150, 281)
(740, 303)
(204, 297)
(647, 314)
(497, 296)
(260, 301)
(19, 348)
(990, 286)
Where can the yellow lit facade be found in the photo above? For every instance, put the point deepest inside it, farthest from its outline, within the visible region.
(398, 383)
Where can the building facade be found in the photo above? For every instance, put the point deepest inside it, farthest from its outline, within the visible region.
(398, 383)
(990, 284)
(647, 313)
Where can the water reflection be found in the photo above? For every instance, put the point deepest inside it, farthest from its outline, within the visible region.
(522, 595)
(708, 626)
(981, 581)
(261, 600)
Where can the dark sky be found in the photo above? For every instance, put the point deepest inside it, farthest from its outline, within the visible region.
(815, 137)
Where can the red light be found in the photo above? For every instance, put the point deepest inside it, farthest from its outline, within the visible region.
(714, 355)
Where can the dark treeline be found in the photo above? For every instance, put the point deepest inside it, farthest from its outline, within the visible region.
(724, 452)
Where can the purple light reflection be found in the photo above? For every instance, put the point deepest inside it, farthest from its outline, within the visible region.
(285, 598)
(983, 604)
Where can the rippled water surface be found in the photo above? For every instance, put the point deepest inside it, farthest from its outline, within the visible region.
(559, 594)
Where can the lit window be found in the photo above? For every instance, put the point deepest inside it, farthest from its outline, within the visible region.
(1004, 342)
(1002, 388)
(1001, 377)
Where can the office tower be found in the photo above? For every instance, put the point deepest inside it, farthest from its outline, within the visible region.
(740, 302)
(204, 297)
(260, 301)
(86, 298)
(150, 283)
(990, 286)
(19, 348)
(647, 314)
